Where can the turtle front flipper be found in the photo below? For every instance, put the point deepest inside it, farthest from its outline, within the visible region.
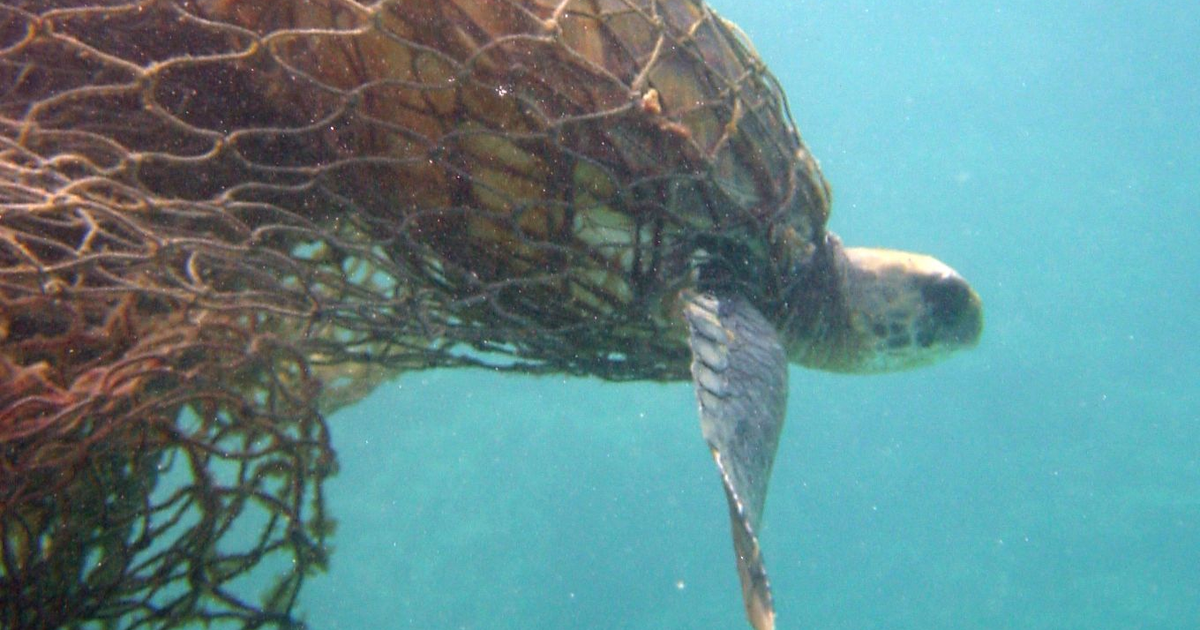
(740, 372)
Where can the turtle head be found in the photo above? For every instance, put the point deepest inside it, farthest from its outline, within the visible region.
(894, 310)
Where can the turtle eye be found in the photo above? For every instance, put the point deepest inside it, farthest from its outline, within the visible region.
(946, 298)
(952, 309)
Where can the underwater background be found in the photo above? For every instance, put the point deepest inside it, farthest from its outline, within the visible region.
(1049, 151)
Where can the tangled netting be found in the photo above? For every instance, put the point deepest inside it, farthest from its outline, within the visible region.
(221, 219)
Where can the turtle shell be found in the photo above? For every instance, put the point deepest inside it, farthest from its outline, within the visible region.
(259, 209)
(555, 167)
(533, 180)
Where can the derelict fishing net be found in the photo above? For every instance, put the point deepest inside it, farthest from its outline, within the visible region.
(220, 219)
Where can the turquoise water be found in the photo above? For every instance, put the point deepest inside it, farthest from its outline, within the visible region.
(1048, 150)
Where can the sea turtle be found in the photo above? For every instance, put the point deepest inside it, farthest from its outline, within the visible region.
(604, 187)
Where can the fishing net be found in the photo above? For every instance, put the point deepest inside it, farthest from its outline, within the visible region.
(222, 219)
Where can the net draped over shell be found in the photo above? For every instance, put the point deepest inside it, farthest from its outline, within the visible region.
(221, 219)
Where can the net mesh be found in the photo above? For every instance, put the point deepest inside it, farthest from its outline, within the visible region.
(222, 219)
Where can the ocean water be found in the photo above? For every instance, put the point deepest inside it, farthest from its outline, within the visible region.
(1050, 479)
